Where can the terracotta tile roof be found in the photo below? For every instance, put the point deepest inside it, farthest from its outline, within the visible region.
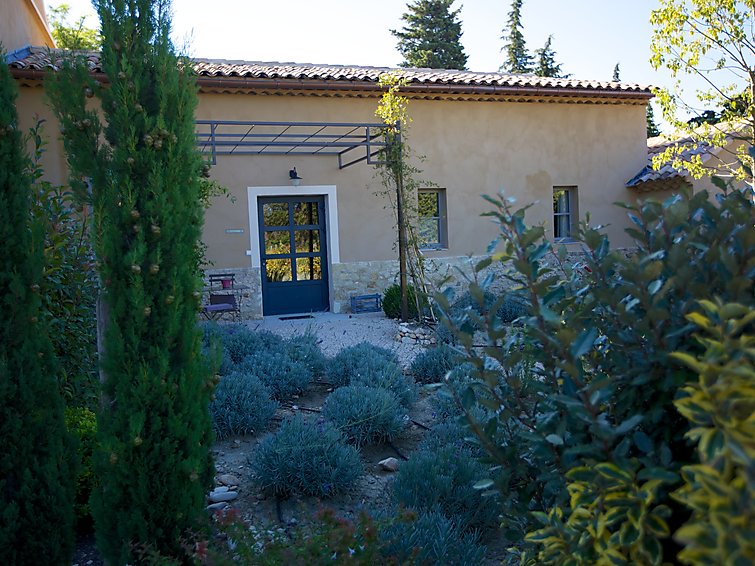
(41, 59)
(658, 145)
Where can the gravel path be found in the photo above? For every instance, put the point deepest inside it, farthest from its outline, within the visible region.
(338, 331)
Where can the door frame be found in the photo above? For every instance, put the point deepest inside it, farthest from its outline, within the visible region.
(329, 193)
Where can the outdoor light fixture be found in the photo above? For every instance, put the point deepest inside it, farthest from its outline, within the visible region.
(294, 176)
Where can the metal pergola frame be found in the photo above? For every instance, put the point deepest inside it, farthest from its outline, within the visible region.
(231, 137)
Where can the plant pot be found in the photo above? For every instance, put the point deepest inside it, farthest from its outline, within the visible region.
(226, 283)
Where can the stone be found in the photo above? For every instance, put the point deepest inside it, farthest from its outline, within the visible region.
(228, 479)
(219, 489)
(389, 464)
(217, 497)
(215, 506)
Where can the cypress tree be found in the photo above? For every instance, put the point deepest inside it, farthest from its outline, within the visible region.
(431, 37)
(36, 471)
(616, 74)
(154, 430)
(651, 127)
(545, 65)
(518, 60)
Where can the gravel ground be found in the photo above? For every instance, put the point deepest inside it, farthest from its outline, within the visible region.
(338, 331)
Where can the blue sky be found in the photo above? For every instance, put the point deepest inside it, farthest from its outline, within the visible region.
(589, 36)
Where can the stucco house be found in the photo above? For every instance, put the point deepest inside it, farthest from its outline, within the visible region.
(308, 244)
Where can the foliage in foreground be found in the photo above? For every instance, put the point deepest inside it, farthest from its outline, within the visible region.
(69, 286)
(309, 458)
(82, 424)
(36, 467)
(590, 442)
(137, 149)
(720, 405)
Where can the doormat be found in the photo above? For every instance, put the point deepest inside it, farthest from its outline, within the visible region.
(296, 317)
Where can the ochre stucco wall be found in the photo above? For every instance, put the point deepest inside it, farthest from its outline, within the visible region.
(469, 149)
(22, 24)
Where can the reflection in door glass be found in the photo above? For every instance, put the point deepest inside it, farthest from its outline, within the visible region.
(308, 269)
(277, 242)
(307, 241)
(277, 270)
(305, 213)
(275, 213)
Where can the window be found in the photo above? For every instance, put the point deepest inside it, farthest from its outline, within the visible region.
(564, 212)
(431, 210)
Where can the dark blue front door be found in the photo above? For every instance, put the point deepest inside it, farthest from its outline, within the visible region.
(293, 254)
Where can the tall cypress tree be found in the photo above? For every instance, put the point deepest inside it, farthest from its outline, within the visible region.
(616, 72)
(431, 37)
(545, 62)
(36, 472)
(154, 467)
(518, 60)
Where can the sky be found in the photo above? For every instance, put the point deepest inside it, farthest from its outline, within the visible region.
(589, 36)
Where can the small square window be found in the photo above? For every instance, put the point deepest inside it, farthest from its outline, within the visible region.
(432, 228)
(564, 213)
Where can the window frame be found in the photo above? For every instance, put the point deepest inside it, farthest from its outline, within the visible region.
(571, 213)
(441, 220)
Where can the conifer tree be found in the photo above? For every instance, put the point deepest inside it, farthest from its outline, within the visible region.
(36, 471)
(616, 72)
(545, 62)
(518, 60)
(431, 37)
(652, 127)
(154, 430)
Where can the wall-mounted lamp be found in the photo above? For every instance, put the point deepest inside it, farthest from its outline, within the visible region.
(294, 176)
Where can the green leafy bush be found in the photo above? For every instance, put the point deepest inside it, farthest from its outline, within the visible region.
(69, 287)
(242, 405)
(283, 376)
(580, 401)
(720, 405)
(443, 479)
(309, 458)
(432, 365)
(364, 415)
(82, 423)
(392, 302)
(430, 538)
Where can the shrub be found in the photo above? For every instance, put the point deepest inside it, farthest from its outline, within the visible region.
(392, 379)
(282, 375)
(452, 433)
(309, 458)
(392, 302)
(365, 415)
(362, 359)
(324, 539)
(82, 423)
(241, 343)
(593, 436)
(443, 403)
(431, 365)
(430, 538)
(469, 310)
(443, 480)
(242, 405)
(303, 348)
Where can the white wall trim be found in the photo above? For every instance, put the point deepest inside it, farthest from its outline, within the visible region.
(331, 216)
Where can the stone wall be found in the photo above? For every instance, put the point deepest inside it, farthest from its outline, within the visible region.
(251, 296)
(369, 277)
